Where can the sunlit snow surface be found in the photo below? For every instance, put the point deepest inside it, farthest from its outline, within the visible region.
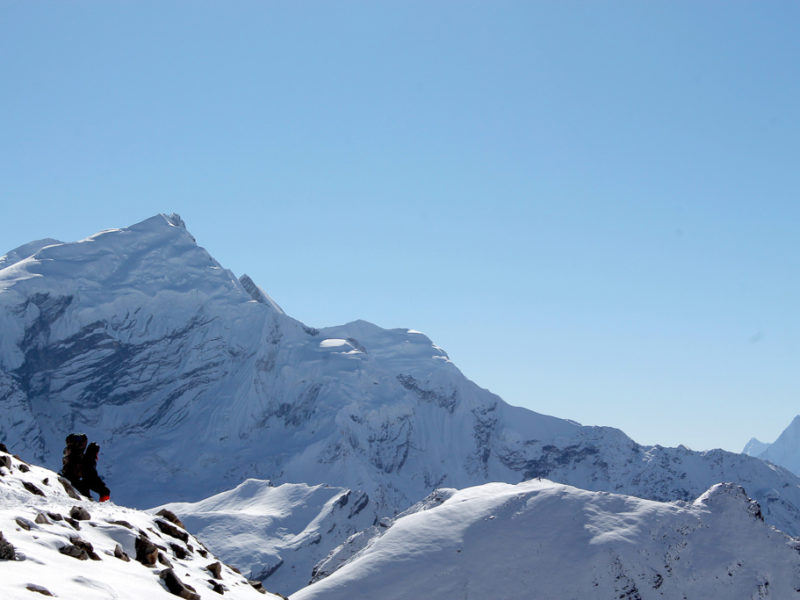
(277, 532)
(40, 563)
(548, 541)
(192, 381)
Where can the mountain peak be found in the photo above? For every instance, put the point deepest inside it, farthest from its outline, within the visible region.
(754, 447)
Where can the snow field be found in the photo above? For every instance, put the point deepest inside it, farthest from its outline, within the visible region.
(548, 541)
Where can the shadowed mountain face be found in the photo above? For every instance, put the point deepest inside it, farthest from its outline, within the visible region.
(785, 451)
(193, 380)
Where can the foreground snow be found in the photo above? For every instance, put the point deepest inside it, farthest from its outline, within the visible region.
(540, 539)
(35, 519)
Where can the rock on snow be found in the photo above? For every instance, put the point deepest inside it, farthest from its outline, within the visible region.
(51, 543)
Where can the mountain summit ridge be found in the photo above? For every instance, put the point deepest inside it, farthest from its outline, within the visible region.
(784, 451)
(139, 338)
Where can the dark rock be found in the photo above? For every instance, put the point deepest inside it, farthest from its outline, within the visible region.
(75, 552)
(234, 569)
(38, 588)
(24, 523)
(46, 481)
(73, 522)
(3, 448)
(171, 517)
(217, 586)
(171, 530)
(32, 488)
(69, 489)
(257, 585)
(79, 513)
(202, 552)
(162, 558)
(41, 519)
(120, 553)
(23, 467)
(146, 552)
(55, 516)
(122, 523)
(215, 569)
(178, 550)
(176, 586)
(7, 551)
(5, 461)
(84, 545)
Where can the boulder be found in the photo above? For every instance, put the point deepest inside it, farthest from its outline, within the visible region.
(176, 586)
(7, 551)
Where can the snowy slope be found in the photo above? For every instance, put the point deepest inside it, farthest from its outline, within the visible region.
(544, 540)
(43, 548)
(754, 447)
(785, 451)
(193, 380)
(276, 534)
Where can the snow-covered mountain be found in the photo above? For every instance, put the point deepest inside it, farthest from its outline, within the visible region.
(193, 380)
(276, 534)
(539, 539)
(785, 451)
(754, 447)
(56, 543)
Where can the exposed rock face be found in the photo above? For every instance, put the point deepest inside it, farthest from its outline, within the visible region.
(176, 586)
(6, 549)
(146, 551)
(39, 589)
(79, 513)
(215, 569)
(172, 530)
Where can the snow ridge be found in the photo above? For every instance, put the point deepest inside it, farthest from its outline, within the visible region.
(63, 544)
(276, 533)
(546, 540)
(191, 384)
(785, 451)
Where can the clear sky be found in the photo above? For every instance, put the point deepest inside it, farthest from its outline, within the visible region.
(592, 206)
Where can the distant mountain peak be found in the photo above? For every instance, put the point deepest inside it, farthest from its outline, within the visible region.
(192, 381)
(754, 447)
(785, 451)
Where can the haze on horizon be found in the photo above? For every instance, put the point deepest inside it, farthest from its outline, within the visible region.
(592, 208)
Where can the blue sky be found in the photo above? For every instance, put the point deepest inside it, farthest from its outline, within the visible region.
(592, 206)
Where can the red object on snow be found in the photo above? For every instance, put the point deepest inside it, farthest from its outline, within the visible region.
(104, 498)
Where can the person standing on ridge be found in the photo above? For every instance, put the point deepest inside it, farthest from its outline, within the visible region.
(72, 461)
(90, 480)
